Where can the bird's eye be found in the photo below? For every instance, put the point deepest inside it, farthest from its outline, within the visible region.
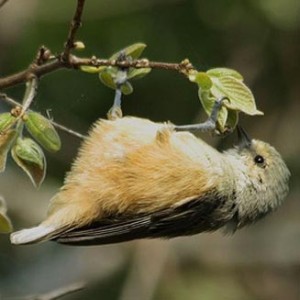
(258, 159)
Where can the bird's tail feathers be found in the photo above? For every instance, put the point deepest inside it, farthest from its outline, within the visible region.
(41, 233)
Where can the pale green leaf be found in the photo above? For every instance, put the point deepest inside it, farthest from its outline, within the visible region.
(134, 51)
(6, 120)
(223, 72)
(203, 80)
(240, 96)
(29, 156)
(92, 70)
(126, 88)
(138, 73)
(7, 138)
(108, 79)
(43, 131)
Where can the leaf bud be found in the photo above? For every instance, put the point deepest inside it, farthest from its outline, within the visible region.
(43, 131)
(29, 156)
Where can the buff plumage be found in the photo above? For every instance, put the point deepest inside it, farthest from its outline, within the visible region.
(134, 178)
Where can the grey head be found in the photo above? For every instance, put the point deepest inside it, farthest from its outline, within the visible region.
(261, 179)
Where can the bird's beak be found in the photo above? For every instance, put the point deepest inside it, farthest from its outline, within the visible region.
(244, 141)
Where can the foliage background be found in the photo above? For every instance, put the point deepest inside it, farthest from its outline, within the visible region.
(259, 38)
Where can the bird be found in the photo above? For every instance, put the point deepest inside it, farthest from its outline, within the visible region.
(134, 178)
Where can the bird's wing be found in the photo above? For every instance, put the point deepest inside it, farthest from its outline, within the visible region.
(189, 217)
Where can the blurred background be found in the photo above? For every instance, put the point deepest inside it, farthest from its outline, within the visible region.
(260, 39)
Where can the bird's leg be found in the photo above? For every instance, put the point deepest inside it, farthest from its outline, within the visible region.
(209, 124)
(115, 111)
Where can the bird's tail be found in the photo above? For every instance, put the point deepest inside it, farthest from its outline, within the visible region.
(41, 233)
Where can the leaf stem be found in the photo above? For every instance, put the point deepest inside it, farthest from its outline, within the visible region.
(12, 102)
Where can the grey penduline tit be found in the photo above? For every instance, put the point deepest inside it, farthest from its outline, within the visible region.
(134, 179)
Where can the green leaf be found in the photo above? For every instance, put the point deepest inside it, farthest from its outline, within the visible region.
(29, 156)
(203, 80)
(43, 131)
(108, 78)
(134, 51)
(6, 120)
(240, 96)
(126, 88)
(223, 82)
(92, 70)
(223, 72)
(5, 223)
(7, 138)
(138, 73)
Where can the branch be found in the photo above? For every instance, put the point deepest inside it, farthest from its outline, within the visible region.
(41, 64)
(75, 62)
(44, 63)
(22, 76)
(75, 24)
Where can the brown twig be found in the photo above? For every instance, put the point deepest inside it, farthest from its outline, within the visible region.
(3, 2)
(44, 63)
(75, 24)
(41, 64)
(38, 71)
(75, 62)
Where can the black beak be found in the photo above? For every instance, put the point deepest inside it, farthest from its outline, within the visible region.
(243, 138)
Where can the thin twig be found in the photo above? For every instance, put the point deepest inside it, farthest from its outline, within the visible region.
(9, 100)
(3, 2)
(45, 64)
(31, 89)
(75, 24)
(12, 102)
(38, 71)
(68, 130)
